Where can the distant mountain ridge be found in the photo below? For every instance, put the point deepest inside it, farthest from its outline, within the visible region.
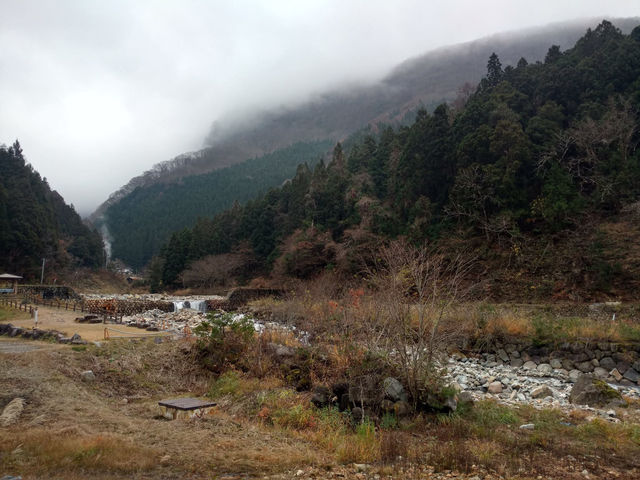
(428, 80)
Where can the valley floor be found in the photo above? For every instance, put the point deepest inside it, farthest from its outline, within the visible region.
(110, 427)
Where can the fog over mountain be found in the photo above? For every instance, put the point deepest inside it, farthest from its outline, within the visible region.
(98, 92)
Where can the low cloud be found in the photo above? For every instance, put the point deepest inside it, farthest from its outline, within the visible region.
(98, 91)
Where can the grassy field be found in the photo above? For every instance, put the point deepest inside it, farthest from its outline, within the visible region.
(264, 428)
(111, 428)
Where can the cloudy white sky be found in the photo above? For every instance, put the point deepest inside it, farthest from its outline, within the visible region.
(97, 91)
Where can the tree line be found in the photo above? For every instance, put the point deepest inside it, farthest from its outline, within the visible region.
(36, 223)
(532, 151)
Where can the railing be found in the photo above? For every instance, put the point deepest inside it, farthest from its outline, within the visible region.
(28, 304)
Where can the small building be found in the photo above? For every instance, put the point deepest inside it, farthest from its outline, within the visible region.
(9, 283)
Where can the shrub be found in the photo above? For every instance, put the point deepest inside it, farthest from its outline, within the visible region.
(223, 339)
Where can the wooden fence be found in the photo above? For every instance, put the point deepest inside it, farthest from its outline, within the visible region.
(28, 304)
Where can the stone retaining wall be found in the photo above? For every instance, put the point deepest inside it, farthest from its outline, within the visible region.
(608, 360)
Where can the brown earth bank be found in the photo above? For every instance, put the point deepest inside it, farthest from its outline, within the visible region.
(109, 427)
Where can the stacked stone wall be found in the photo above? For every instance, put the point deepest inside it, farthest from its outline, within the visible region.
(123, 307)
(608, 360)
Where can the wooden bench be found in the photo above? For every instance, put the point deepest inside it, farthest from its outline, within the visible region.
(188, 407)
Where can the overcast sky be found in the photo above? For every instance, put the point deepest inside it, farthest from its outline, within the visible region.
(97, 91)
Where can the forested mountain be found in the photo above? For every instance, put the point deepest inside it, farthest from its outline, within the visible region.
(536, 162)
(36, 223)
(441, 75)
(144, 219)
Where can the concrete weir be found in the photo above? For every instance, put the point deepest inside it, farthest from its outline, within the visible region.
(198, 305)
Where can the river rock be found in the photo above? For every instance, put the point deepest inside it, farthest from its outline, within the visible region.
(530, 365)
(495, 388)
(595, 393)
(574, 375)
(516, 362)
(616, 374)
(608, 363)
(503, 355)
(556, 364)
(545, 369)
(465, 397)
(600, 372)
(632, 375)
(585, 367)
(542, 391)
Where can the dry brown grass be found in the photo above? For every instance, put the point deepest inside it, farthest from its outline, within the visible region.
(38, 451)
(97, 430)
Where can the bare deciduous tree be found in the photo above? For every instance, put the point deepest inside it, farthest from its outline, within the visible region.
(214, 270)
(415, 289)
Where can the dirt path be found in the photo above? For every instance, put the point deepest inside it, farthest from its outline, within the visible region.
(64, 321)
(10, 345)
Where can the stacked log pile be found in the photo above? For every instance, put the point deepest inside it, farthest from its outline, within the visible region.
(122, 307)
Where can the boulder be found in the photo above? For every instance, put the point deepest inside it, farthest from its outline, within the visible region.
(545, 369)
(632, 375)
(542, 391)
(401, 409)
(595, 393)
(393, 390)
(386, 406)
(357, 413)
(600, 372)
(516, 362)
(503, 355)
(495, 388)
(322, 396)
(616, 374)
(465, 397)
(574, 375)
(607, 363)
(556, 364)
(12, 412)
(88, 376)
(15, 331)
(530, 365)
(585, 367)
(567, 364)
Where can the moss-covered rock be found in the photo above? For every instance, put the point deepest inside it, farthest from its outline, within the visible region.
(595, 393)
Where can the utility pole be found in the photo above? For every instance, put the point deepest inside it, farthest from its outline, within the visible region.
(42, 272)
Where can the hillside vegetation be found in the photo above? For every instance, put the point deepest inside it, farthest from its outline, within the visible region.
(447, 74)
(141, 222)
(531, 172)
(36, 223)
